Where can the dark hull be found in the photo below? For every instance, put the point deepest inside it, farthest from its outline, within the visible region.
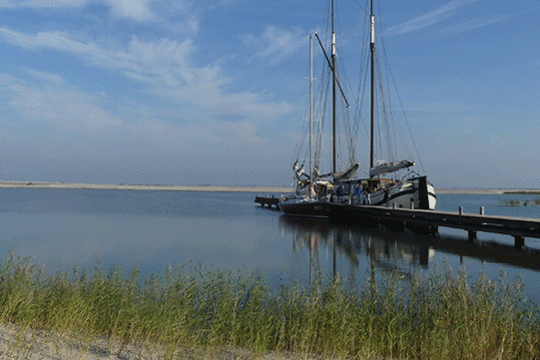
(305, 208)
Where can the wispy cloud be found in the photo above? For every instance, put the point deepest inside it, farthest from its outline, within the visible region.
(476, 24)
(45, 77)
(480, 22)
(275, 44)
(163, 61)
(134, 9)
(54, 104)
(433, 17)
(165, 66)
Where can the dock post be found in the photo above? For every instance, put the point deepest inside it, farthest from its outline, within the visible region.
(519, 242)
(481, 210)
(472, 235)
(461, 210)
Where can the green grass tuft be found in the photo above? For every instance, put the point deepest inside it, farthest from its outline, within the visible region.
(438, 316)
(514, 202)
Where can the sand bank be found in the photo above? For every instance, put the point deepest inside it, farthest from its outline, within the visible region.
(215, 188)
(210, 188)
(29, 344)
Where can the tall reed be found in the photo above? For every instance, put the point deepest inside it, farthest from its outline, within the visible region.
(438, 316)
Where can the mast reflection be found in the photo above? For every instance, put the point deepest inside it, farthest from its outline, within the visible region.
(390, 252)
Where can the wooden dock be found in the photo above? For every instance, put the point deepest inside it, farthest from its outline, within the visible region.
(429, 221)
(267, 200)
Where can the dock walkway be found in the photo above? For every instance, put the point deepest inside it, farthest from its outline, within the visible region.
(430, 220)
(267, 201)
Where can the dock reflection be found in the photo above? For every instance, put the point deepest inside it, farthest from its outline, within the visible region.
(394, 252)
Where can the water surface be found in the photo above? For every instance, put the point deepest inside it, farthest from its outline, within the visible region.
(152, 229)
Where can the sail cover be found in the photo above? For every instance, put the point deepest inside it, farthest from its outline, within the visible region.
(350, 172)
(389, 167)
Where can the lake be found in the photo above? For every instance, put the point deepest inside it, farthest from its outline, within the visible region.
(62, 228)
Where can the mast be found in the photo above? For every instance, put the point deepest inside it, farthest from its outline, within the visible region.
(311, 108)
(333, 94)
(372, 116)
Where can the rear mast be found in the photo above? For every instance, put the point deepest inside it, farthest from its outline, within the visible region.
(333, 95)
(372, 115)
(311, 109)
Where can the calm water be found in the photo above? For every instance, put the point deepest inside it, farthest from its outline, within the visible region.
(152, 229)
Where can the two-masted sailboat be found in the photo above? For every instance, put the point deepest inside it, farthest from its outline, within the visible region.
(385, 183)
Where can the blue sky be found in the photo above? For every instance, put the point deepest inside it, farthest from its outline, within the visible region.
(213, 91)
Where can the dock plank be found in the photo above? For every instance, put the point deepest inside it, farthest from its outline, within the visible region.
(267, 201)
(517, 227)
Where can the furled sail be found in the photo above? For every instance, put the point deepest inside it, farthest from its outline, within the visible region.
(347, 174)
(389, 167)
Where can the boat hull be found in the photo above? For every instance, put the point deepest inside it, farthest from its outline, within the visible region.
(415, 193)
(305, 208)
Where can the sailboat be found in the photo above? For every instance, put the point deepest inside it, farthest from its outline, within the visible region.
(385, 183)
(312, 194)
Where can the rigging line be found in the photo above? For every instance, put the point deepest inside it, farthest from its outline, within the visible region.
(346, 140)
(347, 121)
(321, 111)
(346, 124)
(334, 72)
(388, 118)
(360, 6)
(408, 127)
(405, 143)
(299, 145)
(391, 75)
(363, 80)
(360, 101)
(396, 128)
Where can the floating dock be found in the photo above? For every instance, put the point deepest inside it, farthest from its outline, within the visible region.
(429, 221)
(267, 201)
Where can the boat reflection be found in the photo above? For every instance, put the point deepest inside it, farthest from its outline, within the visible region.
(384, 251)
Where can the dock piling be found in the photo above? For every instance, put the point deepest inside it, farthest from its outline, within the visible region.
(519, 242)
(267, 201)
(419, 220)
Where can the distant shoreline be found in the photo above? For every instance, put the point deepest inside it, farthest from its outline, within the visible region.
(209, 188)
(216, 188)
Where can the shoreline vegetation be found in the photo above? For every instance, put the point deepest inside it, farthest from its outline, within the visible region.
(219, 188)
(515, 203)
(193, 312)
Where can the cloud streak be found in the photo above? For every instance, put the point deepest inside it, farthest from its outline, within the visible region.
(275, 44)
(445, 12)
(165, 66)
(138, 10)
(427, 20)
(52, 103)
(475, 24)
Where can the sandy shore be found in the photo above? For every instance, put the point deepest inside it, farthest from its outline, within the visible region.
(28, 344)
(214, 188)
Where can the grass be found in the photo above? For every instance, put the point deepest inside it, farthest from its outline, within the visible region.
(514, 202)
(438, 316)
